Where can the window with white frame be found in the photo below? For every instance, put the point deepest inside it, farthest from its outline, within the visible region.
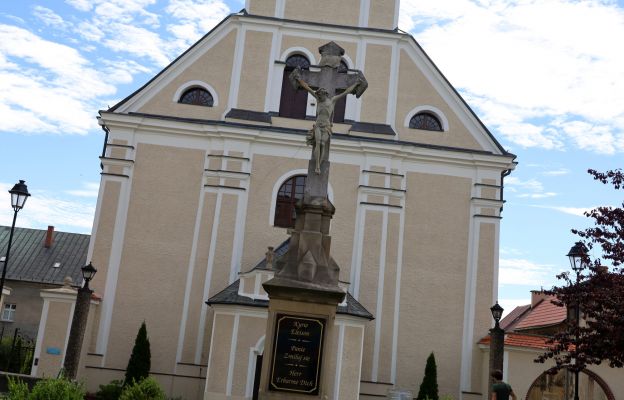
(8, 313)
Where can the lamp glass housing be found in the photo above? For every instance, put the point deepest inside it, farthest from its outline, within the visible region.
(497, 312)
(19, 195)
(577, 256)
(88, 272)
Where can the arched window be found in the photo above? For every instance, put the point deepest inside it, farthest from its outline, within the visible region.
(289, 193)
(341, 105)
(426, 121)
(197, 96)
(293, 103)
(560, 386)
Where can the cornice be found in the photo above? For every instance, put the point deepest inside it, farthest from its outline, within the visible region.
(348, 144)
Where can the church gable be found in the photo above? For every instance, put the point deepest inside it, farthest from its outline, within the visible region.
(238, 70)
(207, 65)
(417, 95)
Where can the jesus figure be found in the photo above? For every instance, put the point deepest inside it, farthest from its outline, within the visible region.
(321, 132)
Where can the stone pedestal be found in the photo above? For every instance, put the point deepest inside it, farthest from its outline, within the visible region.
(303, 298)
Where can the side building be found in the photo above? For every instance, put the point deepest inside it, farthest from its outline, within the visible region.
(527, 330)
(201, 170)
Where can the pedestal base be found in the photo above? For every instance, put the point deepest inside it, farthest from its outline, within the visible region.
(295, 365)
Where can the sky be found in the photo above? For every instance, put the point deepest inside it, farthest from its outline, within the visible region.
(545, 76)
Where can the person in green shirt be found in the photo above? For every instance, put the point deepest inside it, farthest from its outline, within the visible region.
(500, 389)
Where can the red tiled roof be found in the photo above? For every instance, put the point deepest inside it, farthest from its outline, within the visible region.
(545, 313)
(521, 340)
(509, 322)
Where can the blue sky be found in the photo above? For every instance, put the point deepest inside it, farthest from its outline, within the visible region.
(546, 76)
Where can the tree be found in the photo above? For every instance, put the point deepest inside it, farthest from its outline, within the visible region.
(140, 359)
(429, 386)
(598, 289)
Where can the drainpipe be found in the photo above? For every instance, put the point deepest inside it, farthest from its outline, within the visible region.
(503, 175)
(106, 131)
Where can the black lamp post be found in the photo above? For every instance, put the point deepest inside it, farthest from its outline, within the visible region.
(578, 259)
(19, 195)
(497, 343)
(79, 324)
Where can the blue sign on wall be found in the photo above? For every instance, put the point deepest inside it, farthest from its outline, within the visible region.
(55, 351)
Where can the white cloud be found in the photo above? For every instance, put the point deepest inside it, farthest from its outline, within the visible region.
(531, 188)
(82, 5)
(89, 189)
(53, 89)
(49, 17)
(195, 18)
(577, 211)
(518, 271)
(547, 76)
(537, 195)
(557, 172)
(43, 208)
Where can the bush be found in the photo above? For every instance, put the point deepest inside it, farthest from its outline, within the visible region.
(429, 386)
(146, 389)
(140, 359)
(111, 391)
(18, 389)
(46, 389)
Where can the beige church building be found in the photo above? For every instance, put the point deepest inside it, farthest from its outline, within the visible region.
(203, 166)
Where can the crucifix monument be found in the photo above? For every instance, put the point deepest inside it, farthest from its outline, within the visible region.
(304, 293)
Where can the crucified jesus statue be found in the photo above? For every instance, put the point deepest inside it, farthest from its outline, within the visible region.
(321, 132)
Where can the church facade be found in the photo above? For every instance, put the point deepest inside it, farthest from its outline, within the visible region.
(204, 164)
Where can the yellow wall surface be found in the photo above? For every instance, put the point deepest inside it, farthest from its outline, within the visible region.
(435, 250)
(215, 68)
(158, 239)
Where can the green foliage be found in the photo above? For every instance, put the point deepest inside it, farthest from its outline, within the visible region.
(46, 389)
(140, 360)
(18, 389)
(429, 386)
(146, 389)
(111, 391)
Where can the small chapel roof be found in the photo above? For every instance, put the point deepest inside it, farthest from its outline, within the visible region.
(230, 296)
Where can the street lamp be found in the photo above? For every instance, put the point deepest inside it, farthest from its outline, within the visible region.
(19, 195)
(497, 343)
(578, 261)
(79, 323)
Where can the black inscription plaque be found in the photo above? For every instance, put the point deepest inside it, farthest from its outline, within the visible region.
(297, 350)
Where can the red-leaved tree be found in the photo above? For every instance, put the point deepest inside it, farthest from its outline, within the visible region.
(598, 289)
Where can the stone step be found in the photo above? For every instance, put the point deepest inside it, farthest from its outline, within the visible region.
(375, 390)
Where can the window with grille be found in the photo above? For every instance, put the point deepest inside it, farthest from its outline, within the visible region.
(8, 313)
(293, 103)
(341, 105)
(289, 193)
(425, 121)
(197, 96)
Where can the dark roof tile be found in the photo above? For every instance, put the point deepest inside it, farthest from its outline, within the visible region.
(230, 296)
(30, 261)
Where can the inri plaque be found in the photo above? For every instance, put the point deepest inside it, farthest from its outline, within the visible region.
(297, 350)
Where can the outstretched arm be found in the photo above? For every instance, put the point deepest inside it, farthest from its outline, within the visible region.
(307, 88)
(346, 92)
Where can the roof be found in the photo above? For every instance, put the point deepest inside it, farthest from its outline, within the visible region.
(30, 261)
(230, 296)
(511, 320)
(521, 340)
(543, 314)
(279, 252)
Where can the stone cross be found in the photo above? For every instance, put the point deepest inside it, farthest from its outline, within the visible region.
(329, 78)
(330, 86)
